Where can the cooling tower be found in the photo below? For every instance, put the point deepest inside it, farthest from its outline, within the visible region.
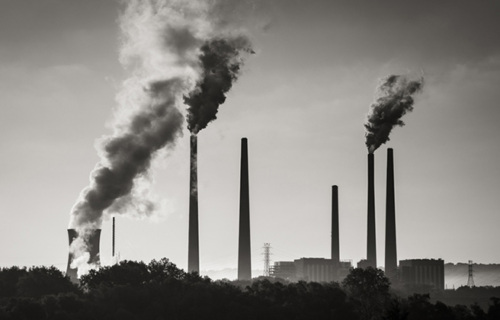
(335, 226)
(92, 243)
(193, 245)
(371, 254)
(244, 259)
(390, 222)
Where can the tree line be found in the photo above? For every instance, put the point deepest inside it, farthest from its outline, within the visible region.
(159, 290)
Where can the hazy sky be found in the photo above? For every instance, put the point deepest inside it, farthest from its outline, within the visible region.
(301, 102)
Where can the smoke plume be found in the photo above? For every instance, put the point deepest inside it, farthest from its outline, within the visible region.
(394, 101)
(220, 60)
(164, 47)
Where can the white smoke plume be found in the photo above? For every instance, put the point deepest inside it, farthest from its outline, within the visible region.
(161, 45)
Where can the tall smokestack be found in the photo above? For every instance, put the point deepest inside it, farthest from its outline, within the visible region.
(390, 222)
(113, 239)
(244, 259)
(371, 255)
(335, 226)
(91, 243)
(193, 250)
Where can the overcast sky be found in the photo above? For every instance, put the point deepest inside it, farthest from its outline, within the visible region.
(301, 101)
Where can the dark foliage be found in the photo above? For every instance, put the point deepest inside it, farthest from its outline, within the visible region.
(159, 290)
(368, 290)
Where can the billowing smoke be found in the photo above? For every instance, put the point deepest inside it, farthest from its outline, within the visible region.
(221, 60)
(393, 102)
(164, 43)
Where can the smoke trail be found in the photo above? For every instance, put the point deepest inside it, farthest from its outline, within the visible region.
(161, 45)
(394, 101)
(221, 60)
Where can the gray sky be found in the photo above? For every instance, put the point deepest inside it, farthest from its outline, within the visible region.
(301, 101)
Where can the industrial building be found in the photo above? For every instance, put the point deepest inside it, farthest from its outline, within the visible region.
(311, 269)
(284, 270)
(422, 274)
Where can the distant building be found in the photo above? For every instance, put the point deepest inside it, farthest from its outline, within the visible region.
(284, 270)
(311, 269)
(422, 274)
(363, 264)
(315, 269)
(344, 269)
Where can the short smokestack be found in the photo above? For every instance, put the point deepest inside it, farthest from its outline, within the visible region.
(390, 222)
(244, 259)
(92, 243)
(193, 246)
(371, 255)
(335, 226)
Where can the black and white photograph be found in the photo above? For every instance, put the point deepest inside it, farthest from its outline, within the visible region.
(249, 159)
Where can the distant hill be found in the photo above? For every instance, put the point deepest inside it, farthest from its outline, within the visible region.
(456, 275)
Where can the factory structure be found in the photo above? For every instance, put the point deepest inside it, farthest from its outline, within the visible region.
(415, 273)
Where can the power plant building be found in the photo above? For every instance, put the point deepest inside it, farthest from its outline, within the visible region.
(284, 270)
(311, 269)
(422, 274)
(315, 269)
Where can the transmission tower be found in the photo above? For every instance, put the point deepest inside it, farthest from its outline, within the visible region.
(267, 259)
(470, 281)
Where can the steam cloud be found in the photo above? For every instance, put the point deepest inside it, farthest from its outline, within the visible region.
(394, 101)
(168, 46)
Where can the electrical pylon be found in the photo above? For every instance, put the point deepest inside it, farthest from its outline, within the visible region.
(267, 259)
(470, 281)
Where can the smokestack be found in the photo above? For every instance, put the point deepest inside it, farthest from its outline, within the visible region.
(113, 238)
(335, 226)
(390, 222)
(244, 259)
(371, 255)
(193, 250)
(91, 243)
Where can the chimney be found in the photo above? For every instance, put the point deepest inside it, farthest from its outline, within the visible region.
(113, 239)
(244, 259)
(335, 226)
(371, 255)
(193, 249)
(390, 222)
(92, 243)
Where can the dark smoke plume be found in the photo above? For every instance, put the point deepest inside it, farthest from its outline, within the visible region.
(221, 60)
(394, 101)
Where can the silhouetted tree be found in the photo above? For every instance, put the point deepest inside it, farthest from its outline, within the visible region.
(159, 290)
(494, 309)
(8, 280)
(40, 281)
(368, 290)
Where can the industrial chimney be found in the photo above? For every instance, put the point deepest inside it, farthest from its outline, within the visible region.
(244, 259)
(371, 255)
(390, 222)
(92, 243)
(335, 226)
(193, 245)
(113, 239)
